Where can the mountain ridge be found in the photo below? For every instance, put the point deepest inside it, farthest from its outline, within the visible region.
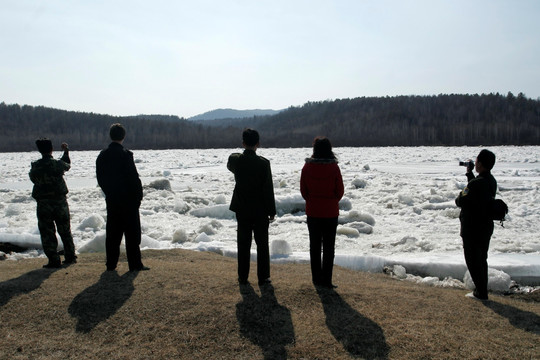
(228, 113)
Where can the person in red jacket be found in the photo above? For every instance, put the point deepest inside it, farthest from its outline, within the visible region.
(321, 186)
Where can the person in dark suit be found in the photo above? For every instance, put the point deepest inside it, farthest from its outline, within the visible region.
(476, 224)
(254, 204)
(118, 178)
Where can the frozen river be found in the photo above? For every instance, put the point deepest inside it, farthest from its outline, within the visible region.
(398, 206)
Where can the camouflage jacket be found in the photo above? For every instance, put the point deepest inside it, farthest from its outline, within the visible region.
(47, 174)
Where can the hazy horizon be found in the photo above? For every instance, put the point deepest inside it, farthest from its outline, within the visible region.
(123, 58)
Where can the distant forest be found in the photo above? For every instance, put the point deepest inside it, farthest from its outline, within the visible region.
(452, 120)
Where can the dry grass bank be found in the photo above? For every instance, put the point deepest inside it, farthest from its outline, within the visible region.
(190, 306)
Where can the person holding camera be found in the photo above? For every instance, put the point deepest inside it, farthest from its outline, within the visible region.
(476, 223)
(50, 190)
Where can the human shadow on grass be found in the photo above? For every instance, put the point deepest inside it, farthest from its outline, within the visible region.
(264, 321)
(102, 300)
(520, 319)
(360, 336)
(23, 284)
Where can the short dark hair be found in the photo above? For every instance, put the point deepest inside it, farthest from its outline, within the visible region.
(117, 132)
(487, 158)
(250, 137)
(322, 148)
(44, 145)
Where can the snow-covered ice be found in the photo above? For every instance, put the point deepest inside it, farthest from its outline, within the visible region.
(398, 208)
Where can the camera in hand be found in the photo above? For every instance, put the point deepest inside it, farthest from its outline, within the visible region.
(468, 164)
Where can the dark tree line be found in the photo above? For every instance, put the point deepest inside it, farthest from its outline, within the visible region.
(488, 119)
(21, 125)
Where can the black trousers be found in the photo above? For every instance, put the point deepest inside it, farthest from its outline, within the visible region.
(476, 249)
(258, 226)
(122, 220)
(322, 232)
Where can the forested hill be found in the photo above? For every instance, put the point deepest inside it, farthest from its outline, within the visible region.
(488, 119)
(412, 121)
(21, 125)
(231, 114)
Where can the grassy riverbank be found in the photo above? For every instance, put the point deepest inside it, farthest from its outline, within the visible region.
(190, 306)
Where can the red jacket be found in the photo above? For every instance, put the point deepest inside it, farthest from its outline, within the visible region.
(321, 186)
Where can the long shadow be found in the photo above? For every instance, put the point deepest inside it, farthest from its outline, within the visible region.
(360, 336)
(23, 284)
(265, 322)
(520, 319)
(102, 300)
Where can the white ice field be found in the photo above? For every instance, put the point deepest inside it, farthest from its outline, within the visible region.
(398, 208)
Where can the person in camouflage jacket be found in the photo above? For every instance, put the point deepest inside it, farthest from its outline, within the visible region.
(50, 191)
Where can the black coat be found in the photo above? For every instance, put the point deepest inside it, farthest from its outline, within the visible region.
(254, 190)
(474, 202)
(117, 175)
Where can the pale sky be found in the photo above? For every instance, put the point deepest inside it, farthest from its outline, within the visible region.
(185, 58)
